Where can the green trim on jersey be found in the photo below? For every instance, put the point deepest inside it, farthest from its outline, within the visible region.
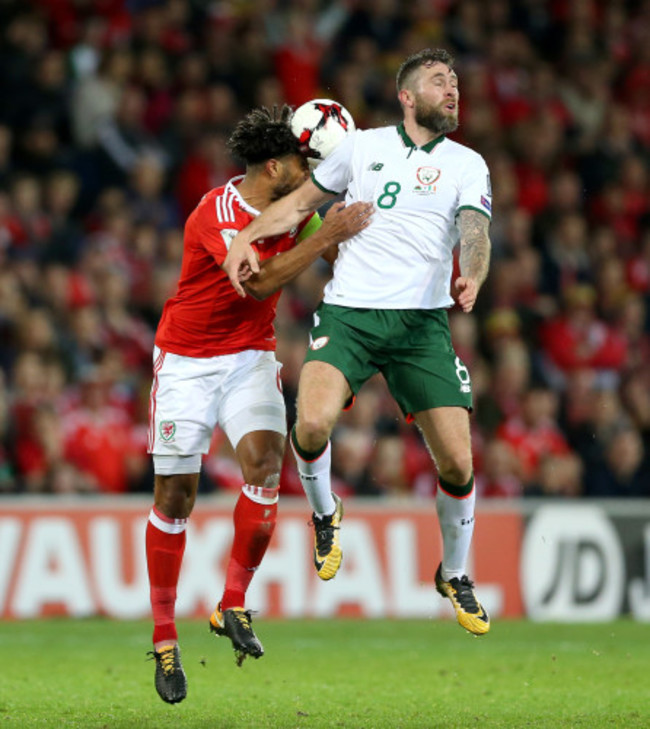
(428, 147)
(478, 210)
(312, 226)
(320, 187)
(404, 258)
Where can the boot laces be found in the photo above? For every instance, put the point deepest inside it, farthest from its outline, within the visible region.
(244, 619)
(165, 659)
(324, 532)
(464, 589)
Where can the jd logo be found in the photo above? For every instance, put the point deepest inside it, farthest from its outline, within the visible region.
(573, 565)
(167, 430)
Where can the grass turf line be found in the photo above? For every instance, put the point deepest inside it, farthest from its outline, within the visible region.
(348, 674)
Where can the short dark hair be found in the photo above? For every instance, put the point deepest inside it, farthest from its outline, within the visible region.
(264, 134)
(421, 58)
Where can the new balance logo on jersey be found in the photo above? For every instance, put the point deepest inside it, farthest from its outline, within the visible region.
(375, 166)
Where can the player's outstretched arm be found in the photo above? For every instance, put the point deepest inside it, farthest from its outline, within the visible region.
(282, 215)
(340, 223)
(474, 258)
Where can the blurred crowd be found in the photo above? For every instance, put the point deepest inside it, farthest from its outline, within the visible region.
(112, 126)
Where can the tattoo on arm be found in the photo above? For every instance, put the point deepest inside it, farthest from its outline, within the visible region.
(474, 245)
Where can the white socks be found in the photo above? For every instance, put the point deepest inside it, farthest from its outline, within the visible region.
(456, 517)
(316, 481)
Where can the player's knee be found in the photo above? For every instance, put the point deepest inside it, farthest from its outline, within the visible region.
(312, 433)
(263, 470)
(456, 470)
(175, 494)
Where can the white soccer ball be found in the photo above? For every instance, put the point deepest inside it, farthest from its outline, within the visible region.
(321, 125)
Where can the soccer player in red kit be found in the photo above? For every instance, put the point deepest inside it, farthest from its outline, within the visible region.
(214, 364)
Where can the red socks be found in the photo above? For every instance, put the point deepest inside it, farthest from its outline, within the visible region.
(165, 544)
(254, 525)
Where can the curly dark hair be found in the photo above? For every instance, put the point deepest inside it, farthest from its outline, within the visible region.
(421, 58)
(264, 134)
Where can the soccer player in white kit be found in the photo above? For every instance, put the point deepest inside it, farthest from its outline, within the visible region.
(214, 364)
(385, 309)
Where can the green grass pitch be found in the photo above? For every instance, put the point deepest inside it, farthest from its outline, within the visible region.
(366, 674)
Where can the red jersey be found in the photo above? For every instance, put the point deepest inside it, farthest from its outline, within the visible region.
(207, 317)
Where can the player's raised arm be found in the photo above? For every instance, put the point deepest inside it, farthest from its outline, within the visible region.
(474, 257)
(340, 223)
(279, 217)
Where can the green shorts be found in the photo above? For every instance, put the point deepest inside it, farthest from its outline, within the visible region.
(410, 347)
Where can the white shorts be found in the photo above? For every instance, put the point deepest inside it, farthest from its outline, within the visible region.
(190, 396)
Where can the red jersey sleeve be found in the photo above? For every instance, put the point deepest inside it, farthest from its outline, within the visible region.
(214, 235)
(206, 317)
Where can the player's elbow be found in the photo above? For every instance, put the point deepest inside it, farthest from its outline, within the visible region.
(259, 290)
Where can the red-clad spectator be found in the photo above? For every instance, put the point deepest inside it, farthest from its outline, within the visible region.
(154, 77)
(622, 205)
(539, 146)
(207, 166)
(540, 96)
(636, 89)
(501, 473)
(577, 339)
(638, 266)
(98, 438)
(36, 437)
(297, 60)
(534, 432)
(66, 17)
(27, 224)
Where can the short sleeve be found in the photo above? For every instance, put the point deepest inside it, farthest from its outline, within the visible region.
(333, 174)
(218, 242)
(207, 234)
(476, 188)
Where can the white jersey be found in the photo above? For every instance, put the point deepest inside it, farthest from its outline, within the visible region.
(404, 258)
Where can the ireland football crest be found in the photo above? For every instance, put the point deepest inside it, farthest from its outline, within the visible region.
(427, 175)
(426, 180)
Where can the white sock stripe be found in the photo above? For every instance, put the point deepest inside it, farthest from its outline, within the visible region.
(261, 495)
(171, 526)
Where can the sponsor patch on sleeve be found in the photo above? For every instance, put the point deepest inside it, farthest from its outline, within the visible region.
(228, 234)
(486, 203)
